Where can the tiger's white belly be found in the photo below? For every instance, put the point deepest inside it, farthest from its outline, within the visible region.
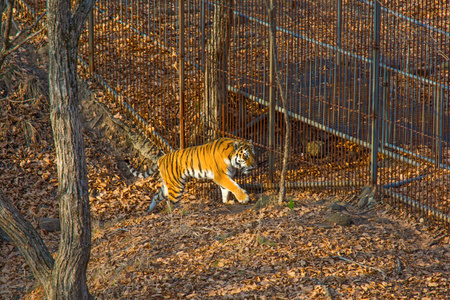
(204, 174)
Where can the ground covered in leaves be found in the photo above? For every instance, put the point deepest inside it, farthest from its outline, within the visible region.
(205, 250)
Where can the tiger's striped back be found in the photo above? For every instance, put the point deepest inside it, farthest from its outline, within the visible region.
(218, 160)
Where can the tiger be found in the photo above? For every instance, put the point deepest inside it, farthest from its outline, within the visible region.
(218, 160)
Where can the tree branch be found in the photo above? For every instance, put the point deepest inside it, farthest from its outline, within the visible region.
(80, 14)
(9, 12)
(359, 264)
(28, 29)
(27, 239)
(7, 41)
(9, 51)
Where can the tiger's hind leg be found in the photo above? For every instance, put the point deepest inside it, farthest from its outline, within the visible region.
(158, 198)
(174, 196)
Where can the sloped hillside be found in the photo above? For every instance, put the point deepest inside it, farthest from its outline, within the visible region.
(205, 250)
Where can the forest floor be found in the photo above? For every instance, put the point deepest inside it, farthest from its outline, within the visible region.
(204, 250)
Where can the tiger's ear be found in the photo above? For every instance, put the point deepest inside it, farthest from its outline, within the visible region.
(251, 145)
(236, 145)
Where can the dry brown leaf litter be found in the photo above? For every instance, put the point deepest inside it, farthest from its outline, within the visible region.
(206, 249)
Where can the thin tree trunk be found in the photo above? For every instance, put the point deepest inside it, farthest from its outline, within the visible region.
(6, 33)
(69, 275)
(64, 277)
(216, 65)
(272, 34)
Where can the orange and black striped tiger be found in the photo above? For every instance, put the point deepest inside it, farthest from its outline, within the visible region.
(218, 160)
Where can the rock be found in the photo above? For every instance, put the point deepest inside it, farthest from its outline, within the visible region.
(49, 224)
(263, 201)
(367, 196)
(337, 207)
(339, 219)
(382, 220)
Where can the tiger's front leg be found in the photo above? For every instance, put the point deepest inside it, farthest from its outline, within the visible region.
(229, 185)
(225, 193)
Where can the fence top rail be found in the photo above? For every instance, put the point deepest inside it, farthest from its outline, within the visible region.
(414, 21)
(348, 53)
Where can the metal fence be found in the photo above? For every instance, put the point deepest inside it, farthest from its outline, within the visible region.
(367, 86)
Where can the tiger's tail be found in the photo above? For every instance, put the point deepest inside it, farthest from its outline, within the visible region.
(139, 174)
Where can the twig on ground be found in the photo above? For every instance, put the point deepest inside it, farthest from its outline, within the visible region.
(399, 266)
(437, 240)
(359, 264)
(325, 288)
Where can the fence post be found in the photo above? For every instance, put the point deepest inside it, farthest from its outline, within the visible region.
(439, 124)
(181, 70)
(91, 42)
(375, 88)
(271, 101)
(338, 53)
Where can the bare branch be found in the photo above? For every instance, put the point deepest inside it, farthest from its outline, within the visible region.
(27, 239)
(28, 29)
(81, 12)
(325, 288)
(359, 264)
(6, 53)
(6, 40)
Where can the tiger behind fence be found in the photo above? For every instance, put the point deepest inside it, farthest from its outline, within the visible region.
(218, 160)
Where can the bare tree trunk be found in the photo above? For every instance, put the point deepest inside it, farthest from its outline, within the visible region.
(64, 277)
(64, 29)
(216, 65)
(272, 31)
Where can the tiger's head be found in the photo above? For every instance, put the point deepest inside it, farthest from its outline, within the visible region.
(244, 156)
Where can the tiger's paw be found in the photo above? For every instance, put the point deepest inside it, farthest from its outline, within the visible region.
(244, 199)
(228, 201)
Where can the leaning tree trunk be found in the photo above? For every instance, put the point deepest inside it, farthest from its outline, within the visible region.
(216, 65)
(27, 240)
(64, 29)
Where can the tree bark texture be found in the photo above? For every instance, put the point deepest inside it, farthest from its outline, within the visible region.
(64, 28)
(28, 240)
(7, 30)
(217, 65)
(64, 277)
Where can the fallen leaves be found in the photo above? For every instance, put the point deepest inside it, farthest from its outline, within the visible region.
(209, 250)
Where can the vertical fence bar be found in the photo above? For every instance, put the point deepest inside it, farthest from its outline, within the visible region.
(439, 124)
(91, 42)
(181, 70)
(271, 98)
(202, 35)
(375, 85)
(337, 66)
(338, 45)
